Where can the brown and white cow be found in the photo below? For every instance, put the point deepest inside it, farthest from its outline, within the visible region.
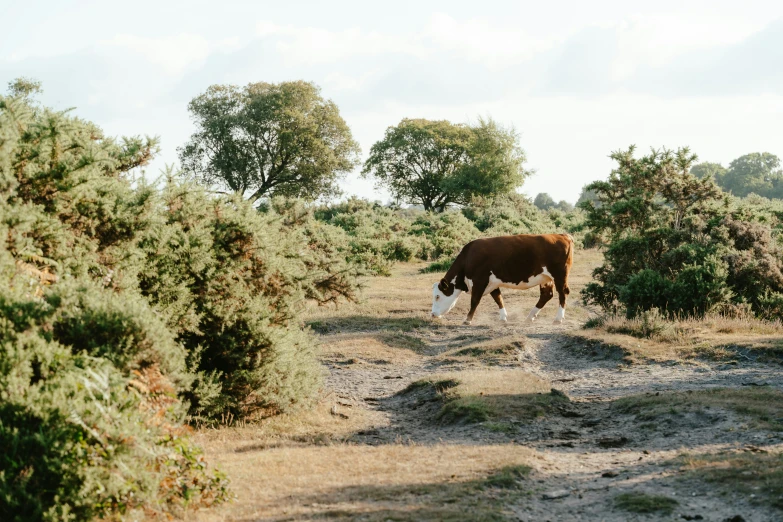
(484, 266)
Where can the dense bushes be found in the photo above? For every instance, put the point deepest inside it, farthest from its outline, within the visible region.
(378, 236)
(230, 282)
(677, 243)
(126, 307)
(87, 430)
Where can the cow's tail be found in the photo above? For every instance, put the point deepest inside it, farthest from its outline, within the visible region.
(569, 249)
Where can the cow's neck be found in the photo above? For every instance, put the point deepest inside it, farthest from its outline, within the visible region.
(454, 277)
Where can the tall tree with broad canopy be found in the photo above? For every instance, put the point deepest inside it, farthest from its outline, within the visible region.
(757, 173)
(268, 139)
(544, 201)
(704, 169)
(439, 163)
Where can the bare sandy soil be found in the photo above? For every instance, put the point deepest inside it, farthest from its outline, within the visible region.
(372, 451)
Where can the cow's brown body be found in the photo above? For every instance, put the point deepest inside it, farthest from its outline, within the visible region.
(522, 261)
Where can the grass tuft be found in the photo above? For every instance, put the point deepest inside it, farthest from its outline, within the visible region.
(469, 410)
(405, 341)
(645, 503)
(508, 477)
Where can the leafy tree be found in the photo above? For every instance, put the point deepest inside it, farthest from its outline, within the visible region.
(757, 173)
(544, 201)
(24, 88)
(438, 163)
(705, 169)
(586, 195)
(269, 139)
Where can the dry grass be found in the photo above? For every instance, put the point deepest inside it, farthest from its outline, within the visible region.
(393, 482)
(763, 406)
(755, 474)
(331, 421)
(484, 395)
(377, 349)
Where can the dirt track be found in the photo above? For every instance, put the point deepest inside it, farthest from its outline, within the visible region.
(585, 452)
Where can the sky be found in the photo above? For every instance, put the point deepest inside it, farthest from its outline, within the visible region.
(577, 80)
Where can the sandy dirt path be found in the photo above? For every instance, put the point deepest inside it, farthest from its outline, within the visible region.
(583, 455)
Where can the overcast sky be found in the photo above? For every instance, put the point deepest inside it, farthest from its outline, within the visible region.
(576, 79)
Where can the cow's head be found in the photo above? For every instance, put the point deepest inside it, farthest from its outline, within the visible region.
(444, 297)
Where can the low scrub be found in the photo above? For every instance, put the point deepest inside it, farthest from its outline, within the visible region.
(376, 236)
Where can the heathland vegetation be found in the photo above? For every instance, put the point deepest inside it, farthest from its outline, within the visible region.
(133, 310)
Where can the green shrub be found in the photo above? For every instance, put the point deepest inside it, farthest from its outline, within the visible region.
(377, 235)
(678, 244)
(230, 281)
(699, 289)
(646, 290)
(120, 328)
(442, 234)
(84, 436)
(441, 265)
(510, 214)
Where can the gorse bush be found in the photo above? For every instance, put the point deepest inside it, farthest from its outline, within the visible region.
(677, 243)
(85, 435)
(230, 282)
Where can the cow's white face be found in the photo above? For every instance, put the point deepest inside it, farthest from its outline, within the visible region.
(442, 303)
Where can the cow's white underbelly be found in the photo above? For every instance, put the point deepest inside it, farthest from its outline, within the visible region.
(538, 280)
(495, 283)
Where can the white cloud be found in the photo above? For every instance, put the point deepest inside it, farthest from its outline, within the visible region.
(311, 45)
(655, 39)
(480, 40)
(174, 54)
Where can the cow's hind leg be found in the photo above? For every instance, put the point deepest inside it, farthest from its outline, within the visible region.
(499, 300)
(562, 292)
(476, 293)
(547, 291)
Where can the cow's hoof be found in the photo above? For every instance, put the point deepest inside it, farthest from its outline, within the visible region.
(466, 323)
(531, 319)
(558, 321)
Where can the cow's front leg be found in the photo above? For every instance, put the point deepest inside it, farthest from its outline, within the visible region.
(499, 300)
(547, 291)
(476, 293)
